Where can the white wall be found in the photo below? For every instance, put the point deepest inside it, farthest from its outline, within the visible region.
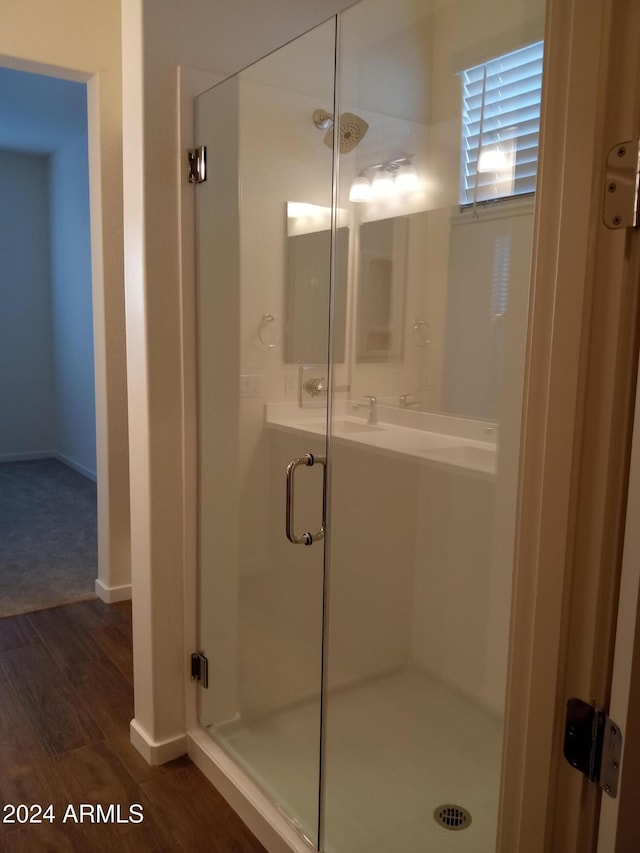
(27, 422)
(81, 40)
(46, 340)
(71, 306)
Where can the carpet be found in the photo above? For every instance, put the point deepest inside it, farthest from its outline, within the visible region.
(48, 536)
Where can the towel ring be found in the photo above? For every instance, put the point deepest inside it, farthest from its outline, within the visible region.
(269, 331)
(421, 333)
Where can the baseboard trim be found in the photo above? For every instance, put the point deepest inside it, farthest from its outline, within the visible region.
(27, 457)
(49, 454)
(76, 466)
(156, 752)
(111, 594)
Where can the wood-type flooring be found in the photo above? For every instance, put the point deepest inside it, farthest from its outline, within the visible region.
(66, 700)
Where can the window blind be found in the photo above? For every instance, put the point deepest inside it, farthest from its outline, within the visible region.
(501, 125)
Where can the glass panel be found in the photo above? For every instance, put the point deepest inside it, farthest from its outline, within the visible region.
(263, 297)
(423, 477)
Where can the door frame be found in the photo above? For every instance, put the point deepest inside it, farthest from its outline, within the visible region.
(618, 829)
(113, 581)
(576, 437)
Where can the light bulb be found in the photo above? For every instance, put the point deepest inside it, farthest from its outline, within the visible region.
(382, 185)
(360, 189)
(407, 180)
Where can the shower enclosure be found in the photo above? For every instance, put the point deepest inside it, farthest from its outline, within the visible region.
(364, 246)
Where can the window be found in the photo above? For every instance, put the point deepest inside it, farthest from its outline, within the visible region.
(501, 126)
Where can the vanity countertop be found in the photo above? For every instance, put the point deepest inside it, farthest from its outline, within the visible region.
(457, 444)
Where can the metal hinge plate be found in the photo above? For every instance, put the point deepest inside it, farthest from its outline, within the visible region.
(197, 164)
(593, 744)
(200, 668)
(621, 186)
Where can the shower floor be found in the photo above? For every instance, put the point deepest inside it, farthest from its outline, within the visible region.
(396, 748)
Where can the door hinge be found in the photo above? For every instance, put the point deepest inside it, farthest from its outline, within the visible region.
(593, 744)
(197, 164)
(200, 668)
(621, 186)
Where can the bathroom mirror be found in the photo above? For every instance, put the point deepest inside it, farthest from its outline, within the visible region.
(429, 294)
(307, 292)
(434, 293)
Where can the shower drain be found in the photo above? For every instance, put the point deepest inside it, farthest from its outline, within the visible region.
(452, 817)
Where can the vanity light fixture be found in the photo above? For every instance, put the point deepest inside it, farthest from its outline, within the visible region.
(407, 180)
(393, 178)
(382, 184)
(360, 189)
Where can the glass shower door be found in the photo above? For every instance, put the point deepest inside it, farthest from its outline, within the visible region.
(263, 248)
(425, 436)
(358, 674)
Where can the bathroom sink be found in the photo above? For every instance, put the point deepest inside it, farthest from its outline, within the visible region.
(348, 427)
(423, 446)
(466, 455)
(340, 427)
(426, 442)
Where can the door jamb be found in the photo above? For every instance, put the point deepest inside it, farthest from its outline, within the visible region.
(579, 394)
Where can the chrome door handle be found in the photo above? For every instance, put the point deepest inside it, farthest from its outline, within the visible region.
(309, 459)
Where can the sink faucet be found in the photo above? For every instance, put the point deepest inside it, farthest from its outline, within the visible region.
(372, 417)
(408, 400)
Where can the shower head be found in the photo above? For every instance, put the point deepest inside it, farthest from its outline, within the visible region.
(352, 129)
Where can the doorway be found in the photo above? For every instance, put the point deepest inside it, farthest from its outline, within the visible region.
(48, 428)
